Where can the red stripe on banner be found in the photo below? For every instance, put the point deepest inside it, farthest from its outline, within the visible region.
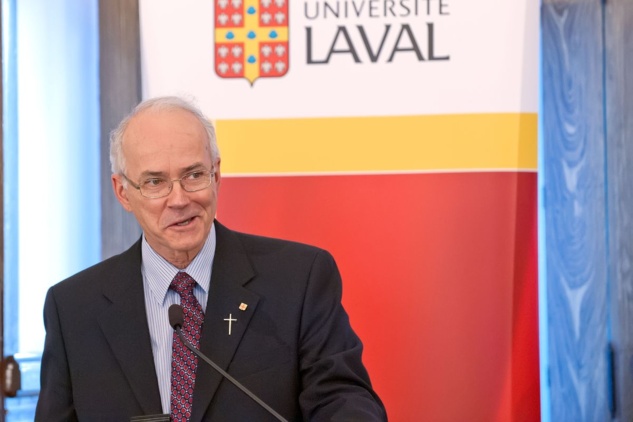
(440, 280)
(525, 358)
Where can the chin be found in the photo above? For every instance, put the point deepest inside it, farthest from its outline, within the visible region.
(188, 246)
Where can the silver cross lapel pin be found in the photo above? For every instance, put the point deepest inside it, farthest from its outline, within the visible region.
(230, 320)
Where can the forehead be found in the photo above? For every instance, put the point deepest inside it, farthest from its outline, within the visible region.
(158, 138)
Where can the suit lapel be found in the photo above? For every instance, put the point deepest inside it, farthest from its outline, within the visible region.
(124, 325)
(231, 271)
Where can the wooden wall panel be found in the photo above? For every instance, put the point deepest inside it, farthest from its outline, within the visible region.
(619, 108)
(575, 220)
(120, 75)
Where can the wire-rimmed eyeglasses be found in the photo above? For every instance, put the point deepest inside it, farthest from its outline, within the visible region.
(157, 187)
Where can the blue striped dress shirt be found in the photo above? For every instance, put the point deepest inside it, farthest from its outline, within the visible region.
(157, 276)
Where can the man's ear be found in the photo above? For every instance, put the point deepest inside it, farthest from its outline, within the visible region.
(217, 175)
(121, 192)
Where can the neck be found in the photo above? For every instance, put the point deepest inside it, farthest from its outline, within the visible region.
(181, 259)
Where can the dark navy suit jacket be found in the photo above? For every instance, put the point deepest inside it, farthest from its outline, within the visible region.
(293, 345)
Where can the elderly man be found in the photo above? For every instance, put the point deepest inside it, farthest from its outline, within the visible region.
(265, 310)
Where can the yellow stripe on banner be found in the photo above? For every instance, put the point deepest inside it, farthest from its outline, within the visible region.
(379, 144)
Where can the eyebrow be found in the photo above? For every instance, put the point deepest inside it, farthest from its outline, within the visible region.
(195, 166)
(192, 167)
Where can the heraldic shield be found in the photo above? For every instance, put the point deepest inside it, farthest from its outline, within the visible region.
(251, 39)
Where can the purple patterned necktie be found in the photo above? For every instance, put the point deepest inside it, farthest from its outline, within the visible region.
(184, 361)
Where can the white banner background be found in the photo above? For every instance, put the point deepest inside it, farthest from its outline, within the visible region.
(491, 58)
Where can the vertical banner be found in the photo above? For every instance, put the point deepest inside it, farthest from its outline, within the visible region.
(401, 136)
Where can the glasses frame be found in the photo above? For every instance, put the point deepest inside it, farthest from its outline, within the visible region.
(171, 183)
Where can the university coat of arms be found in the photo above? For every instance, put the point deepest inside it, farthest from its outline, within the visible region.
(251, 38)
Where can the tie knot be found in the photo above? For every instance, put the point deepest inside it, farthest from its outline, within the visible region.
(183, 284)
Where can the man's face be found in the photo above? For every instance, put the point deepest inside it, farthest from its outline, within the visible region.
(169, 144)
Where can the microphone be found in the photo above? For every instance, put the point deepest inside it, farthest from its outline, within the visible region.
(176, 316)
(176, 320)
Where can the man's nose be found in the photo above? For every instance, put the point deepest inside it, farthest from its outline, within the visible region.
(178, 194)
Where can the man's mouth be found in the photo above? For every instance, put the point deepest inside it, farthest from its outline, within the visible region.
(184, 223)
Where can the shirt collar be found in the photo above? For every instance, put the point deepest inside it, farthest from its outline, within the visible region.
(158, 272)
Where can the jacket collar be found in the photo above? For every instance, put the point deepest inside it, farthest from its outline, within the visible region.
(229, 298)
(124, 325)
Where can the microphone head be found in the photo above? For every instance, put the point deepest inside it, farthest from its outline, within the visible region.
(176, 317)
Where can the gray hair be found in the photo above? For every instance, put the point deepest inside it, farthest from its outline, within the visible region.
(117, 159)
